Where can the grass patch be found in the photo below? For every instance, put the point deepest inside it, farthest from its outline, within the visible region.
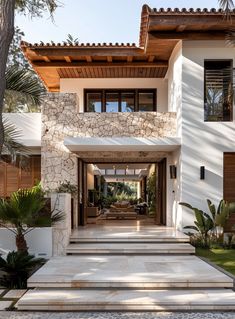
(224, 258)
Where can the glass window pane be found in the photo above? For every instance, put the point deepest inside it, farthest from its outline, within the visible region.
(112, 102)
(94, 102)
(120, 172)
(110, 172)
(146, 101)
(218, 91)
(127, 102)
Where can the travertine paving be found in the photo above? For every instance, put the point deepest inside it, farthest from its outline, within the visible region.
(130, 248)
(158, 300)
(118, 315)
(128, 271)
(128, 233)
(122, 281)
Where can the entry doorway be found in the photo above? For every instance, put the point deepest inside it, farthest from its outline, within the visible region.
(137, 189)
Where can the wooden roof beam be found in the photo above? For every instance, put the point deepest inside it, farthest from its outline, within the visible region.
(88, 58)
(130, 59)
(110, 59)
(181, 28)
(78, 52)
(55, 64)
(188, 35)
(67, 59)
(46, 59)
(151, 58)
(160, 21)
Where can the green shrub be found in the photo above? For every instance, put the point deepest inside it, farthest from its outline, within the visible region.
(17, 268)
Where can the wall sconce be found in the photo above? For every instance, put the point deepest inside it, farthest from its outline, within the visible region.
(173, 171)
(202, 172)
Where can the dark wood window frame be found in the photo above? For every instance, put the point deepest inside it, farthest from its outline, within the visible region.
(120, 91)
(205, 86)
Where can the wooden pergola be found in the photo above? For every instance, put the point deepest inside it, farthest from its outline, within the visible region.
(160, 31)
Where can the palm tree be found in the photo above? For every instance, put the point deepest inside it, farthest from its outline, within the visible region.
(25, 210)
(11, 145)
(227, 6)
(22, 88)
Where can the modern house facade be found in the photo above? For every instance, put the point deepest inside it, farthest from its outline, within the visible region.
(167, 102)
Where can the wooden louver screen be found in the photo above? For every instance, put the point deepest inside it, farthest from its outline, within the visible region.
(218, 90)
(13, 177)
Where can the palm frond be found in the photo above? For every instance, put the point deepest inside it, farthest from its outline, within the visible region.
(24, 82)
(230, 37)
(11, 145)
(226, 6)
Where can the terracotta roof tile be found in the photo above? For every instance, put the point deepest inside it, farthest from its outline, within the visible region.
(77, 45)
(147, 11)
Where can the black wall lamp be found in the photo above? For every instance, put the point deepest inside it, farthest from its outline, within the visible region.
(202, 172)
(173, 172)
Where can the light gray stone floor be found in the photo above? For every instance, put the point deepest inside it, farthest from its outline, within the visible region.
(117, 315)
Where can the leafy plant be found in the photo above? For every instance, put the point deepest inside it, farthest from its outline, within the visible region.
(151, 189)
(24, 91)
(203, 223)
(221, 214)
(67, 187)
(71, 40)
(25, 210)
(17, 268)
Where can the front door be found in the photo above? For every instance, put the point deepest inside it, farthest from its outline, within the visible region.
(161, 192)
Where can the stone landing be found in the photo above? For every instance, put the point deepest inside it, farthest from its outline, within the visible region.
(115, 268)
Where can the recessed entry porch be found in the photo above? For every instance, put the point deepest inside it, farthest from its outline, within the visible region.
(122, 180)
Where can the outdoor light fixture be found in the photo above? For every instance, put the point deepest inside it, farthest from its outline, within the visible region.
(202, 172)
(173, 171)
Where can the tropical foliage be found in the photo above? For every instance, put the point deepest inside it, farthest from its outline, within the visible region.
(25, 210)
(11, 145)
(205, 223)
(17, 268)
(24, 91)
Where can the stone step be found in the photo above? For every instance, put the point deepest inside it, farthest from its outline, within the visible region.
(127, 300)
(137, 272)
(127, 234)
(130, 248)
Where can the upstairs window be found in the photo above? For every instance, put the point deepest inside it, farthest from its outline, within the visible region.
(218, 98)
(121, 100)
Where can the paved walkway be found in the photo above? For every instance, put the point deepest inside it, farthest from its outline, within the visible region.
(117, 315)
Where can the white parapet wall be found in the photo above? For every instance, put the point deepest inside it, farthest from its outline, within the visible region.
(39, 241)
(28, 125)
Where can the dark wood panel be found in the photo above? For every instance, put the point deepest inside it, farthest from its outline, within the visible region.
(229, 177)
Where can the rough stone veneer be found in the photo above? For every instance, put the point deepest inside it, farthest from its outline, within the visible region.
(60, 118)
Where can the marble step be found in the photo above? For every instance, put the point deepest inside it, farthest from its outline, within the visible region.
(127, 234)
(127, 300)
(128, 271)
(130, 248)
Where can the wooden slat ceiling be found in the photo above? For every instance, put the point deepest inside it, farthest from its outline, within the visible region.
(160, 31)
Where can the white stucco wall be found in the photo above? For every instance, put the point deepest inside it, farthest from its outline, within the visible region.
(39, 241)
(78, 86)
(203, 143)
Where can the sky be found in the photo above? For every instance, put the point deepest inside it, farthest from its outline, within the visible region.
(97, 20)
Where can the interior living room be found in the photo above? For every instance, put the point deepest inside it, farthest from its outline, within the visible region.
(121, 192)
